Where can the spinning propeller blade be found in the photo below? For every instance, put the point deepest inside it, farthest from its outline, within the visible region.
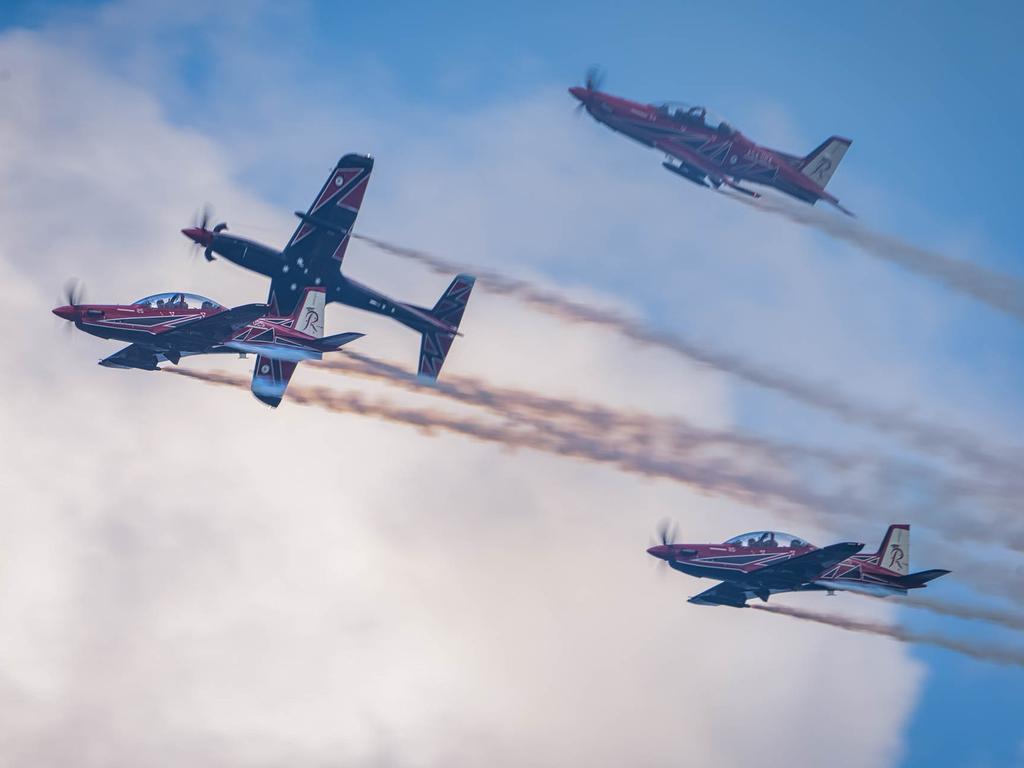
(74, 292)
(592, 81)
(72, 295)
(201, 221)
(667, 532)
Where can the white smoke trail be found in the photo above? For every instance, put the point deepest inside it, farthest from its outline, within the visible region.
(946, 441)
(1007, 619)
(674, 440)
(750, 482)
(995, 654)
(999, 291)
(712, 477)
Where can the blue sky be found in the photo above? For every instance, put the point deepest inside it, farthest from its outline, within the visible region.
(927, 91)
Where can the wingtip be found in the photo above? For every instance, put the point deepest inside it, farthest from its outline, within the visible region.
(354, 158)
(270, 400)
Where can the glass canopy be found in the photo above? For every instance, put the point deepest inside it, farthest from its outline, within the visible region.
(767, 539)
(176, 300)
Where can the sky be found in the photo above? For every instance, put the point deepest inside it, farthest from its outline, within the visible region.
(190, 577)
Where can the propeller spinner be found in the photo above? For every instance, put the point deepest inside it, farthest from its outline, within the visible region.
(201, 235)
(72, 296)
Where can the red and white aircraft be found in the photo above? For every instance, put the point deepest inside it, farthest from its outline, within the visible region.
(166, 327)
(763, 563)
(709, 151)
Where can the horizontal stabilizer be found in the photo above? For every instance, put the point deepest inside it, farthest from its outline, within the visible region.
(921, 578)
(337, 341)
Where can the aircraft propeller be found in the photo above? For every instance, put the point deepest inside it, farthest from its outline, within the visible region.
(74, 292)
(666, 532)
(593, 80)
(202, 222)
(666, 535)
(72, 295)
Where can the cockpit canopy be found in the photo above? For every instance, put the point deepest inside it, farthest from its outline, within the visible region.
(177, 300)
(766, 539)
(694, 115)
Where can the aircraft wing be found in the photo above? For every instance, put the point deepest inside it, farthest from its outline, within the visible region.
(320, 241)
(270, 379)
(695, 167)
(725, 593)
(132, 356)
(799, 570)
(214, 329)
(782, 575)
(689, 157)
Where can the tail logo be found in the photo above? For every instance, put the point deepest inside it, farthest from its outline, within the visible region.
(895, 558)
(823, 166)
(312, 318)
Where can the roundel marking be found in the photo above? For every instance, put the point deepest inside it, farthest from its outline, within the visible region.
(733, 159)
(264, 368)
(339, 180)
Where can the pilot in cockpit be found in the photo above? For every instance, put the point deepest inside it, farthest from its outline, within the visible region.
(768, 540)
(697, 114)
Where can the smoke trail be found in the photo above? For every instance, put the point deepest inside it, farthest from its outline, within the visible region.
(678, 441)
(995, 654)
(715, 477)
(929, 438)
(672, 432)
(627, 453)
(1008, 619)
(688, 455)
(999, 291)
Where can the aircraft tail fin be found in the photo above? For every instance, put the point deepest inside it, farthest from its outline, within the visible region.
(308, 316)
(820, 164)
(894, 554)
(436, 342)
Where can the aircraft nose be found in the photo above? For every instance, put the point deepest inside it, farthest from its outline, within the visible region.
(198, 235)
(661, 552)
(68, 312)
(579, 93)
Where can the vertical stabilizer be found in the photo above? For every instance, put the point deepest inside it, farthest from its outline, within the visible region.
(894, 554)
(308, 316)
(823, 161)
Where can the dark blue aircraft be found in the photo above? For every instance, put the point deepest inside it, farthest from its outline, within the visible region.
(313, 258)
